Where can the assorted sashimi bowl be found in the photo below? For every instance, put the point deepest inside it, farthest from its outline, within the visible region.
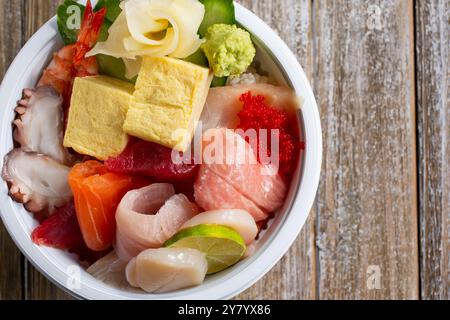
(155, 147)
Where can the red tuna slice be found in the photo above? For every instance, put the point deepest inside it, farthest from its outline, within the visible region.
(238, 166)
(61, 231)
(214, 193)
(151, 160)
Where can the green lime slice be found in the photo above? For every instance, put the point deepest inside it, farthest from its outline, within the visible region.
(222, 245)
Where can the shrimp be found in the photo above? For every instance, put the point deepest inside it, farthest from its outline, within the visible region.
(70, 61)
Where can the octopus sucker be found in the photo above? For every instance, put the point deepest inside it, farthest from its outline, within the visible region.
(39, 126)
(36, 180)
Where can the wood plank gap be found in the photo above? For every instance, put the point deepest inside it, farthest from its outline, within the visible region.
(315, 79)
(433, 73)
(419, 200)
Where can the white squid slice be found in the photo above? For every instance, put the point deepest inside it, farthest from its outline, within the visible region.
(148, 217)
(40, 125)
(167, 269)
(239, 220)
(37, 181)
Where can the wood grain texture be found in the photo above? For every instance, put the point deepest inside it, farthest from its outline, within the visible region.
(433, 106)
(10, 257)
(362, 69)
(36, 13)
(367, 211)
(294, 277)
(36, 286)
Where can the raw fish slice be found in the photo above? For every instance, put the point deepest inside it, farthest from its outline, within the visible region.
(151, 160)
(223, 105)
(167, 269)
(214, 193)
(97, 194)
(134, 209)
(61, 231)
(147, 217)
(111, 270)
(125, 246)
(239, 220)
(239, 167)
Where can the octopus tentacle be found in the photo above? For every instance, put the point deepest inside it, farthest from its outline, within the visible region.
(39, 126)
(36, 180)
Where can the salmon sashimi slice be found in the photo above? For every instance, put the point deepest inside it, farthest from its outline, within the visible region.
(223, 104)
(61, 231)
(97, 194)
(148, 217)
(213, 193)
(238, 166)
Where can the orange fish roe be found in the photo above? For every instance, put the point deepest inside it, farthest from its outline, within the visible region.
(256, 115)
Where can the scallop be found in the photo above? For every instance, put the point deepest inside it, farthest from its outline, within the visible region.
(167, 269)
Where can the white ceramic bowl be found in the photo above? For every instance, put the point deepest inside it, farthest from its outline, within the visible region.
(58, 266)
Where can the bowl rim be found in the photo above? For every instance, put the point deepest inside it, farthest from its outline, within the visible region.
(275, 247)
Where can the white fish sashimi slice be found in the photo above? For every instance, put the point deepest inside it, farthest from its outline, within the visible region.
(148, 217)
(111, 270)
(239, 220)
(167, 269)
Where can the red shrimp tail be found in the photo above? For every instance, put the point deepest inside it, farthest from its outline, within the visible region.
(89, 32)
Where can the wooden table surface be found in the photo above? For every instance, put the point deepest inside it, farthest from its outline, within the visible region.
(380, 226)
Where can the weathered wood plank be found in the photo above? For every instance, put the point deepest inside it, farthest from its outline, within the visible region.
(11, 39)
(433, 105)
(34, 15)
(294, 277)
(367, 204)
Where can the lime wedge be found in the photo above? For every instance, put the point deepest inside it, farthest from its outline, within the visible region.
(222, 245)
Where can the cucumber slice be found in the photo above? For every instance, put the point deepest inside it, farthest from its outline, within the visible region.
(112, 9)
(198, 58)
(217, 11)
(113, 67)
(219, 82)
